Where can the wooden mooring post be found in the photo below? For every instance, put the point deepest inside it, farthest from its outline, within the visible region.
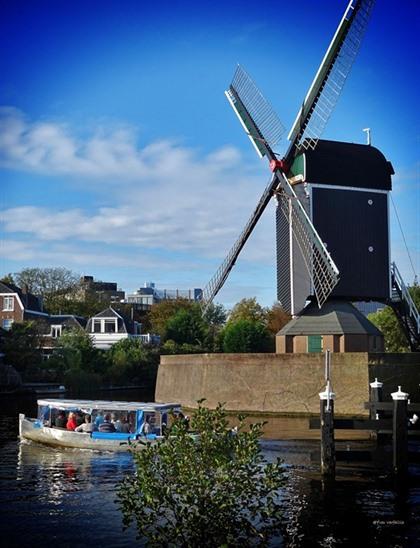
(327, 424)
(400, 432)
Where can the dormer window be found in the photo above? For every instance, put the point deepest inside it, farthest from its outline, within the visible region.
(8, 304)
(56, 331)
(110, 326)
(105, 325)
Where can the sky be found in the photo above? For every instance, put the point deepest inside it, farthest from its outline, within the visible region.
(121, 158)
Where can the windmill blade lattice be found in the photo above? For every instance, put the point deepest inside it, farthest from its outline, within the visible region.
(331, 76)
(219, 278)
(321, 269)
(255, 112)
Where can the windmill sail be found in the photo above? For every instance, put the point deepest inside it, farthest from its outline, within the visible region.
(320, 267)
(265, 129)
(219, 278)
(330, 78)
(255, 113)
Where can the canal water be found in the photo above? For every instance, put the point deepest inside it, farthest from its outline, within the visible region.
(66, 498)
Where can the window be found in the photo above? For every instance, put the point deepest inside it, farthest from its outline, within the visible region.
(96, 328)
(7, 324)
(8, 303)
(110, 326)
(56, 331)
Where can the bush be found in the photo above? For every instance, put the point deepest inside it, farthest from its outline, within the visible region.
(210, 489)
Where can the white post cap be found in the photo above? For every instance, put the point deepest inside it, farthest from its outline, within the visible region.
(327, 395)
(399, 395)
(376, 384)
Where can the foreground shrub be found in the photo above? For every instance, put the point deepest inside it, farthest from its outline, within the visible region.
(212, 488)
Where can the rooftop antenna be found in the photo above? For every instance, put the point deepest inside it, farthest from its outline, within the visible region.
(367, 131)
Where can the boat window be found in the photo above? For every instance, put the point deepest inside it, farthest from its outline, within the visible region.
(44, 414)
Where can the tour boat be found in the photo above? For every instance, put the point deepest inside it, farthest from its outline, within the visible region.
(139, 422)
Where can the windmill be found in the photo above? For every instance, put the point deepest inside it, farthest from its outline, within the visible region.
(307, 241)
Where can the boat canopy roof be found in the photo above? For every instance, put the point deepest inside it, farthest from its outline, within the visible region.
(108, 405)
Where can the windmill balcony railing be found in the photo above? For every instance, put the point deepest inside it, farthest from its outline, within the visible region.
(406, 297)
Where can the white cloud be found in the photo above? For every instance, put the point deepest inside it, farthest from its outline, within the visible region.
(51, 148)
(165, 196)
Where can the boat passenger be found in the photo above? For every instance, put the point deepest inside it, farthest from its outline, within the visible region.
(99, 419)
(79, 418)
(107, 425)
(71, 423)
(124, 426)
(116, 422)
(87, 426)
(146, 428)
(60, 420)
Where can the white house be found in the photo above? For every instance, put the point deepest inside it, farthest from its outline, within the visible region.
(109, 327)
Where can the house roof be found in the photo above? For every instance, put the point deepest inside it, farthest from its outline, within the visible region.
(348, 165)
(334, 318)
(67, 320)
(108, 313)
(124, 324)
(29, 300)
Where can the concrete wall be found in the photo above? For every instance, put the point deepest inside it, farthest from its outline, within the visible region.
(283, 383)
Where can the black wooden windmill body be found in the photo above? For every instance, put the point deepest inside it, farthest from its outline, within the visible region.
(332, 219)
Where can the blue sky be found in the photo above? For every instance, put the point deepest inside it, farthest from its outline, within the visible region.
(121, 158)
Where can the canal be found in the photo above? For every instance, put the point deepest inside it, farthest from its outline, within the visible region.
(57, 497)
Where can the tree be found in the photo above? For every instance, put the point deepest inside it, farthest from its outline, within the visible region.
(186, 326)
(246, 336)
(387, 322)
(277, 318)
(22, 347)
(76, 350)
(49, 283)
(8, 279)
(215, 317)
(63, 304)
(130, 359)
(249, 309)
(163, 311)
(210, 489)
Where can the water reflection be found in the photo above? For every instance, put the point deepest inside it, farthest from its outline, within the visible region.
(66, 497)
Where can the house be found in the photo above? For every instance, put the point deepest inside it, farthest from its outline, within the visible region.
(106, 328)
(338, 326)
(19, 305)
(110, 326)
(53, 327)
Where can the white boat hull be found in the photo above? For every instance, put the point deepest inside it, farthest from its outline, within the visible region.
(31, 429)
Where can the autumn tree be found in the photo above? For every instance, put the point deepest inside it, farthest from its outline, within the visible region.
(277, 318)
(249, 309)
